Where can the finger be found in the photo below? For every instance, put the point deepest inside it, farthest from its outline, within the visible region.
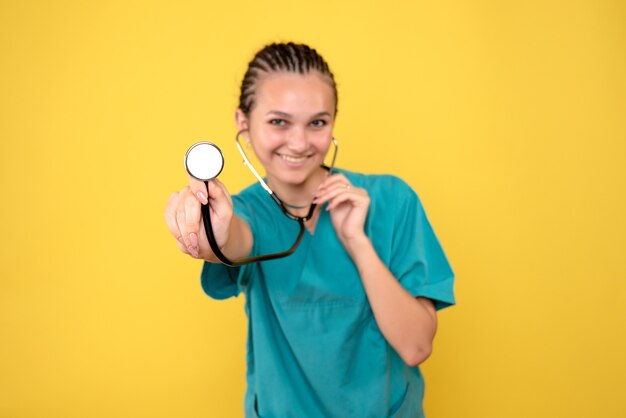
(331, 192)
(199, 190)
(187, 205)
(338, 182)
(192, 223)
(221, 201)
(333, 179)
(356, 199)
(217, 188)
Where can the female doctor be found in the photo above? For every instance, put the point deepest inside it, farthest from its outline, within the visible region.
(339, 327)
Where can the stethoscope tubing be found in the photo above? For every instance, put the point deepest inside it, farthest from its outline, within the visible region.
(206, 209)
(208, 227)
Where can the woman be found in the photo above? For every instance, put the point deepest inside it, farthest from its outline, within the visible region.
(338, 328)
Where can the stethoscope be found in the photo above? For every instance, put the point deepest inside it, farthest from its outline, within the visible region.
(204, 161)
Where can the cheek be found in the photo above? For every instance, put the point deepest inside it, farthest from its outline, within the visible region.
(271, 135)
(266, 140)
(322, 140)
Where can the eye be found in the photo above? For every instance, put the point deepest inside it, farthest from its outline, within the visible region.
(318, 123)
(278, 122)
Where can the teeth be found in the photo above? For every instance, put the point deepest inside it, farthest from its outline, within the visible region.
(293, 159)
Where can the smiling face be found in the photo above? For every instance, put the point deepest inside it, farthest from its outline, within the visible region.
(290, 127)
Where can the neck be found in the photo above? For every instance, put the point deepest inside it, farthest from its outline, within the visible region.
(298, 196)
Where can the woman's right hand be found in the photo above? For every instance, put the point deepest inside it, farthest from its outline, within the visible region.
(183, 216)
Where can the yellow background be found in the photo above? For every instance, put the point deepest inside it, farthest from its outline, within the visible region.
(508, 118)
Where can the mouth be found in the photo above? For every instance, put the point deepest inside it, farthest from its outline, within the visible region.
(293, 159)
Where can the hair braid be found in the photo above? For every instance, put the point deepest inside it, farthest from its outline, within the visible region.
(286, 57)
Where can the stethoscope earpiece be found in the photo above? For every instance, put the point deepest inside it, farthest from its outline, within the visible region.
(204, 161)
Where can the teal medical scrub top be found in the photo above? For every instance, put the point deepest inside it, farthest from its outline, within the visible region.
(314, 348)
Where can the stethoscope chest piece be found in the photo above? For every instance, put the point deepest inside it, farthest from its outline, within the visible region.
(204, 161)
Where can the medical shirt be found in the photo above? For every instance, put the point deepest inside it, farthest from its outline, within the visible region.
(314, 348)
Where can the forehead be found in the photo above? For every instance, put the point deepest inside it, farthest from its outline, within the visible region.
(292, 91)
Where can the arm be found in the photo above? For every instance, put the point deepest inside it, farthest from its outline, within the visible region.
(407, 323)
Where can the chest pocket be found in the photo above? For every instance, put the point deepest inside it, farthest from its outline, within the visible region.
(319, 275)
(323, 322)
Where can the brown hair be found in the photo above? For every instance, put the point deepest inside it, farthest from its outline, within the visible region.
(288, 57)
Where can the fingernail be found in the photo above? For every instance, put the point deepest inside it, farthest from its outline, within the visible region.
(193, 251)
(194, 239)
(180, 239)
(202, 197)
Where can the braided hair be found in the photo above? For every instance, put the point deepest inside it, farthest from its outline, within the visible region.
(285, 57)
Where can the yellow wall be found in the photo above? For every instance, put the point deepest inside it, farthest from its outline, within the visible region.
(508, 118)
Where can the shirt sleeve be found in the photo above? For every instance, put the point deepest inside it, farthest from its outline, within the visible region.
(220, 281)
(418, 260)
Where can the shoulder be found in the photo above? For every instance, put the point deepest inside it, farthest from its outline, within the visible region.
(382, 186)
(252, 191)
(252, 203)
(253, 195)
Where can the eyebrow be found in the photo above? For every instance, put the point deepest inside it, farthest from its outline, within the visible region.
(287, 115)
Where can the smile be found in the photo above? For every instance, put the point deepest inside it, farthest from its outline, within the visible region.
(291, 159)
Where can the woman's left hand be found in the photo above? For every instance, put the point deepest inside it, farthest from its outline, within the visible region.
(348, 206)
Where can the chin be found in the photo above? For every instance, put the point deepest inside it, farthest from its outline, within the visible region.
(295, 177)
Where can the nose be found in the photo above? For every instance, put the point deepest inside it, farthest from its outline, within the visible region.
(297, 141)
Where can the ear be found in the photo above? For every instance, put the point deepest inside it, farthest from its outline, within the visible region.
(241, 120)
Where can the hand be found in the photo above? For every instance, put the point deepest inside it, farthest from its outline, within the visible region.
(183, 217)
(348, 206)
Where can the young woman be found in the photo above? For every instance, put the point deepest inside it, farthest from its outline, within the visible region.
(339, 327)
